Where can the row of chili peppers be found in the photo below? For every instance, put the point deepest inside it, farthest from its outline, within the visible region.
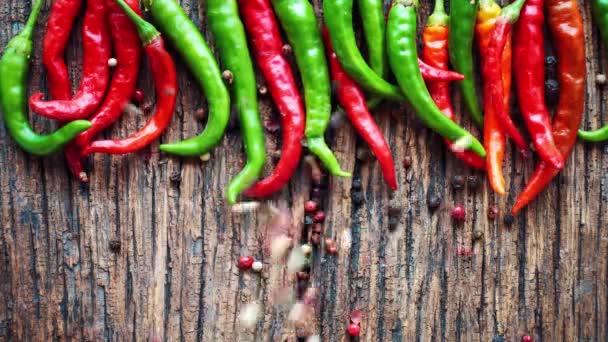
(117, 25)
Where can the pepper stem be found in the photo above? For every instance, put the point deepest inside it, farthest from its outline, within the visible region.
(147, 32)
(31, 21)
(511, 12)
(406, 3)
(438, 17)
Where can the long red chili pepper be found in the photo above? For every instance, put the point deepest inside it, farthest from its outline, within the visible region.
(97, 47)
(530, 80)
(494, 70)
(353, 102)
(493, 134)
(431, 73)
(165, 83)
(435, 53)
(58, 29)
(566, 26)
(263, 29)
(127, 50)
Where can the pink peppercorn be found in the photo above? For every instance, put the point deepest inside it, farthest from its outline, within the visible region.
(245, 262)
(458, 213)
(319, 217)
(310, 206)
(354, 330)
(527, 338)
(138, 96)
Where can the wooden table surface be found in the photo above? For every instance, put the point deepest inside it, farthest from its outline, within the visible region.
(147, 249)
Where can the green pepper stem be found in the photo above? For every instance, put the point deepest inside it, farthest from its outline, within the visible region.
(147, 32)
(31, 21)
(438, 17)
(511, 12)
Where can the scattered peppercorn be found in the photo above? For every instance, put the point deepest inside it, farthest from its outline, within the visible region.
(115, 246)
(358, 198)
(200, 114)
(257, 266)
(407, 162)
(458, 182)
(332, 250)
(492, 212)
(146, 107)
(319, 217)
(310, 206)
(205, 157)
(329, 242)
(245, 262)
(526, 338)
(458, 213)
(356, 316)
(354, 329)
(138, 96)
(600, 79)
(306, 249)
(477, 234)
(228, 76)
(473, 182)
(434, 201)
(262, 89)
(315, 238)
(551, 66)
(287, 50)
(112, 62)
(509, 220)
(551, 92)
(302, 276)
(364, 154)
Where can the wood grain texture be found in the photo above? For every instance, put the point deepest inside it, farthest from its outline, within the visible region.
(174, 278)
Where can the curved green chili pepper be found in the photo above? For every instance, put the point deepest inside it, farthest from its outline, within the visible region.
(339, 20)
(300, 24)
(463, 15)
(401, 44)
(600, 15)
(14, 68)
(374, 29)
(175, 25)
(231, 43)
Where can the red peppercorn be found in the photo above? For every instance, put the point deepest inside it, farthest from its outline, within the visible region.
(245, 262)
(526, 338)
(303, 276)
(492, 212)
(356, 316)
(138, 96)
(319, 217)
(332, 250)
(310, 206)
(458, 213)
(354, 330)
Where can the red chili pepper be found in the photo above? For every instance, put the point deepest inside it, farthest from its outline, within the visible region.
(95, 74)
(494, 69)
(566, 26)
(493, 134)
(435, 53)
(58, 29)
(431, 73)
(530, 80)
(353, 102)
(267, 44)
(127, 50)
(165, 82)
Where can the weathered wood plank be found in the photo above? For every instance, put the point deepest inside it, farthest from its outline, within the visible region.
(147, 250)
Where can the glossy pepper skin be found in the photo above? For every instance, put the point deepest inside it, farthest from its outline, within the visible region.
(14, 68)
(231, 43)
(339, 21)
(567, 30)
(175, 25)
(267, 45)
(493, 69)
(435, 52)
(599, 9)
(97, 47)
(530, 81)
(352, 100)
(165, 84)
(401, 43)
(127, 50)
(462, 28)
(374, 29)
(58, 29)
(298, 19)
(493, 134)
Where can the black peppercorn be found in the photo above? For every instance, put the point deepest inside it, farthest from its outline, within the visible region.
(509, 220)
(458, 182)
(358, 198)
(434, 201)
(115, 246)
(551, 92)
(473, 182)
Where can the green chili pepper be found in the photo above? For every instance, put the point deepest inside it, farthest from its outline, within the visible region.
(600, 15)
(339, 20)
(374, 28)
(175, 25)
(401, 44)
(231, 43)
(300, 24)
(463, 15)
(14, 68)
